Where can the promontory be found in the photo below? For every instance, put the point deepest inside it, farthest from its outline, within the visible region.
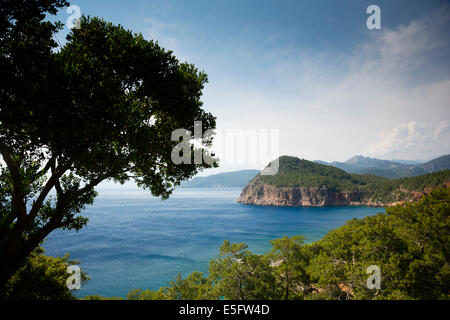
(300, 182)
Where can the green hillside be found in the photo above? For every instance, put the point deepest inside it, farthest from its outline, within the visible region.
(294, 172)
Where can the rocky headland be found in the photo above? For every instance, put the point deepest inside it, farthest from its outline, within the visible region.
(300, 183)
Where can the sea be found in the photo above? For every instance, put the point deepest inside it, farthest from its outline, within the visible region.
(134, 240)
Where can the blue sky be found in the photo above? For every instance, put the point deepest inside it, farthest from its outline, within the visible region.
(312, 69)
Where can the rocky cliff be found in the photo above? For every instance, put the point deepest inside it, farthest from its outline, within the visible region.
(300, 182)
(259, 193)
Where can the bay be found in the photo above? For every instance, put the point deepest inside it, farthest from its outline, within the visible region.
(134, 240)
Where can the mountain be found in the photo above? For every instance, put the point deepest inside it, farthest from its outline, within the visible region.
(408, 162)
(438, 164)
(226, 179)
(389, 168)
(357, 164)
(301, 182)
(366, 162)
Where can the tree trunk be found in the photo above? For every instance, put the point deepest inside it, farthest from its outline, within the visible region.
(286, 294)
(9, 265)
(14, 253)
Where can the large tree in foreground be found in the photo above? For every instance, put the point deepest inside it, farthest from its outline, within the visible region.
(103, 107)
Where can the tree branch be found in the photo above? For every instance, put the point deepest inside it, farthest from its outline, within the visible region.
(51, 162)
(48, 186)
(58, 188)
(17, 197)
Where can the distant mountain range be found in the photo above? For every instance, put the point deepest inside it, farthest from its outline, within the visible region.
(222, 180)
(391, 169)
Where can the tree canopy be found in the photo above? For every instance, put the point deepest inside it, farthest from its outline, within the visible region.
(102, 107)
(42, 277)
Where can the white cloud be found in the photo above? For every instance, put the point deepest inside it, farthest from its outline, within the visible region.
(440, 129)
(406, 136)
(333, 105)
(168, 35)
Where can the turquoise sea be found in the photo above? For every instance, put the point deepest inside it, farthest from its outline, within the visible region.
(134, 240)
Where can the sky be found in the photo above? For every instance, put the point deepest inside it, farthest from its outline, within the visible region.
(311, 70)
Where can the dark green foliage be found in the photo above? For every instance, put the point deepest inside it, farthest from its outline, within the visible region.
(409, 243)
(289, 262)
(194, 287)
(238, 274)
(401, 189)
(42, 278)
(103, 107)
(294, 172)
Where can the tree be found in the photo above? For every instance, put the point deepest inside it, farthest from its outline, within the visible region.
(103, 107)
(289, 261)
(42, 278)
(194, 287)
(238, 274)
(424, 227)
(410, 245)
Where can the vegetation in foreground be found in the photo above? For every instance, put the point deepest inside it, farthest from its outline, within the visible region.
(42, 278)
(410, 244)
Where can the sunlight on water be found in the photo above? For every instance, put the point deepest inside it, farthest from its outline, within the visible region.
(134, 240)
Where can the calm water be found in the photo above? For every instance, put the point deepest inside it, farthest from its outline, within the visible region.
(135, 241)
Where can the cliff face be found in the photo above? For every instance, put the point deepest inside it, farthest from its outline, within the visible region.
(259, 193)
(299, 182)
